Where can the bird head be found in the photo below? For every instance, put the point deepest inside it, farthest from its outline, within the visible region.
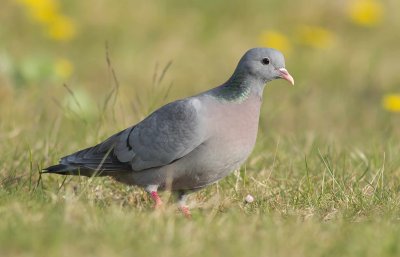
(264, 64)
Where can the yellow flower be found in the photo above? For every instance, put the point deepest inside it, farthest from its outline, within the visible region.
(43, 11)
(315, 36)
(61, 29)
(276, 40)
(47, 13)
(44, 15)
(365, 12)
(391, 102)
(63, 68)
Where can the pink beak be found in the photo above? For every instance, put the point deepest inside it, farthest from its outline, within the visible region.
(286, 76)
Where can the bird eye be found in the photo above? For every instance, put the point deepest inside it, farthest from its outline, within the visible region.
(265, 61)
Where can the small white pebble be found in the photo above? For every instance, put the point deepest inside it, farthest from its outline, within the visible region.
(249, 199)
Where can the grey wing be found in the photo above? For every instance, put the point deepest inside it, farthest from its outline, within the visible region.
(99, 157)
(166, 135)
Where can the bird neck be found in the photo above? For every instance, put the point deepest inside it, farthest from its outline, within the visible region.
(238, 88)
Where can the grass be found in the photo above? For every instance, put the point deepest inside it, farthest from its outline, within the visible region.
(325, 172)
(326, 203)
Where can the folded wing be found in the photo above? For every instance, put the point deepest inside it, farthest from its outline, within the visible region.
(165, 136)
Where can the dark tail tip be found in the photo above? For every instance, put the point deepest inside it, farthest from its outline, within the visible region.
(64, 169)
(60, 169)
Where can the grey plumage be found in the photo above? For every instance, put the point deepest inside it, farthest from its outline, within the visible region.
(190, 143)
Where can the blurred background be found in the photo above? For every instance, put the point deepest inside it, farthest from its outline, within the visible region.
(58, 92)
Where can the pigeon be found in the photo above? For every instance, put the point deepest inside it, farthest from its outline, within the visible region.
(190, 143)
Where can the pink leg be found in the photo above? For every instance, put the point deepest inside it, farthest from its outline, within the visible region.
(185, 210)
(182, 197)
(156, 198)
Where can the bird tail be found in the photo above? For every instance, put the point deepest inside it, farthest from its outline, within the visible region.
(64, 169)
(98, 160)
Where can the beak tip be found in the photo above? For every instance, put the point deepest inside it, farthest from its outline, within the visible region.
(286, 76)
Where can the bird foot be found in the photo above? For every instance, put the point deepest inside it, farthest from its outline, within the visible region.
(186, 212)
(157, 200)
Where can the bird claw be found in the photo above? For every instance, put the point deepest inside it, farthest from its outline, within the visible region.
(186, 212)
(157, 200)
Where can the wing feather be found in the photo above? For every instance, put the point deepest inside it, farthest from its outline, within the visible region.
(168, 134)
